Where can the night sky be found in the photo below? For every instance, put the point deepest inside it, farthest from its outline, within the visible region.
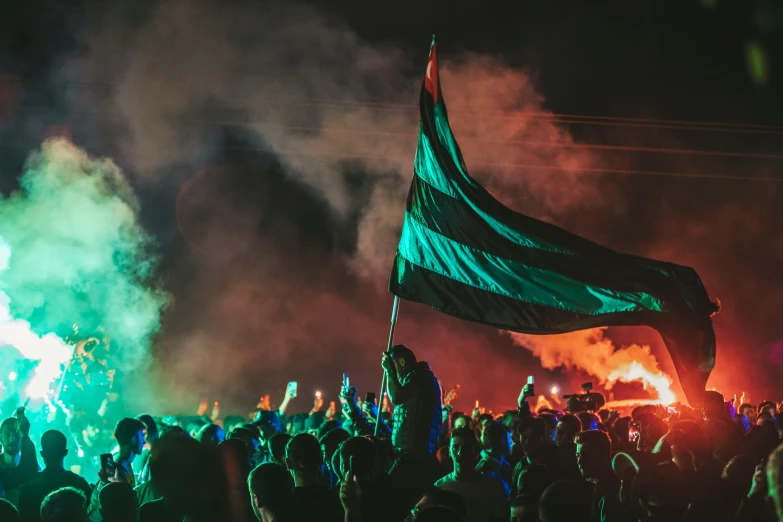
(271, 146)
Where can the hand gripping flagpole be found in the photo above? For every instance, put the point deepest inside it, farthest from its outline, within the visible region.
(395, 309)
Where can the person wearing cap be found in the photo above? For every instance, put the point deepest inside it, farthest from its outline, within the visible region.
(53, 477)
(415, 393)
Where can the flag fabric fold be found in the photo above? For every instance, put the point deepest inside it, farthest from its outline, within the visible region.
(465, 254)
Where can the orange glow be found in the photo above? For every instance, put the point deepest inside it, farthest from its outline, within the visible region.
(650, 379)
(629, 403)
(543, 403)
(592, 352)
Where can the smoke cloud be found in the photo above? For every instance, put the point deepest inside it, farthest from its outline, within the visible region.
(75, 257)
(194, 87)
(592, 352)
(273, 147)
(299, 84)
(48, 350)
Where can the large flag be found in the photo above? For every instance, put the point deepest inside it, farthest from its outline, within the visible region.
(467, 255)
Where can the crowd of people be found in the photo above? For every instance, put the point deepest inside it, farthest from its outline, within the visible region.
(413, 459)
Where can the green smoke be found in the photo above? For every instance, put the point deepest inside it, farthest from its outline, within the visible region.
(78, 255)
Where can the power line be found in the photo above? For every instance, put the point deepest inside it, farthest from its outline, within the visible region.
(537, 143)
(740, 127)
(544, 115)
(611, 121)
(675, 122)
(566, 118)
(597, 170)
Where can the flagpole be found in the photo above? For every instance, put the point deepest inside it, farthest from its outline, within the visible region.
(395, 309)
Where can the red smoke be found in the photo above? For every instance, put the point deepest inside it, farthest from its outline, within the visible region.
(264, 299)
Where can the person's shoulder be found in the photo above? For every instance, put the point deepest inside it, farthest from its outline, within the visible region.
(447, 479)
(96, 490)
(549, 451)
(79, 480)
(153, 507)
(35, 478)
(31, 487)
(37, 484)
(492, 479)
(315, 493)
(71, 474)
(422, 368)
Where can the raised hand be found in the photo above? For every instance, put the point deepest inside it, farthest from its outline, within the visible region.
(350, 494)
(264, 403)
(371, 409)
(387, 363)
(23, 424)
(318, 403)
(528, 390)
(290, 390)
(348, 395)
(450, 395)
(758, 486)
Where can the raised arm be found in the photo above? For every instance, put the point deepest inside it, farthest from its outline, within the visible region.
(28, 461)
(524, 407)
(290, 393)
(397, 392)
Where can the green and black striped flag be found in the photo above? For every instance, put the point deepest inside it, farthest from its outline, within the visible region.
(467, 255)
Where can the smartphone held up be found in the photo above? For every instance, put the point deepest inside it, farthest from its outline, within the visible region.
(108, 467)
(634, 431)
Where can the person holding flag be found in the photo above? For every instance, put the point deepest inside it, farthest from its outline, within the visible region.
(415, 393)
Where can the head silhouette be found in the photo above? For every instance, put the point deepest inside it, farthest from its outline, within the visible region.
(53, 449)
(593, 453)
(404, 359)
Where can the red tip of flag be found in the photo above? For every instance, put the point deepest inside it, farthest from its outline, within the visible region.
(431, 79)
